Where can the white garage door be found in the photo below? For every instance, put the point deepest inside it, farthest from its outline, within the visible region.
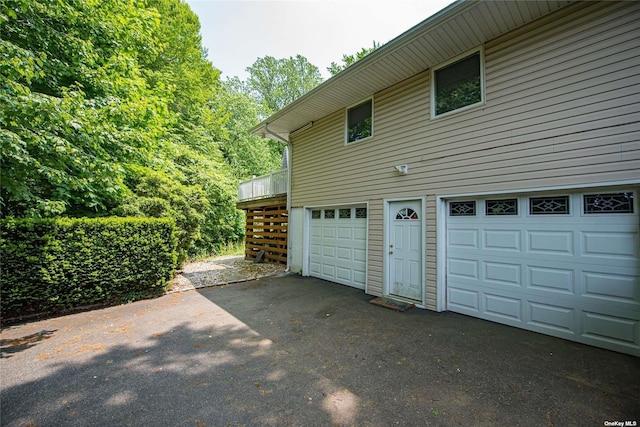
(566, 265)
(338, 244)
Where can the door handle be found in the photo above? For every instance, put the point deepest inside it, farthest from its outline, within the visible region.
(390, 252)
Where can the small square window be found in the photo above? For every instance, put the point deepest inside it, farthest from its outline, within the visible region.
(457, 85)
(501, 207)
(315, 214)
(344, 213)
(467, 208)
(329, 214)
(360, 121)
(361, 212)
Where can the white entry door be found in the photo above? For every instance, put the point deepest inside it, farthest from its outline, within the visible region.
(405, 249)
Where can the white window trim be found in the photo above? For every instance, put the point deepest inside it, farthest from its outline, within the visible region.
(479, 49)
(346, 122)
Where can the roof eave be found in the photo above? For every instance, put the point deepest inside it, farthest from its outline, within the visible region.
(294, 116)
(364, 63)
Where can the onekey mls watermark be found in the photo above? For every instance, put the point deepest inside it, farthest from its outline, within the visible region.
(621, 423)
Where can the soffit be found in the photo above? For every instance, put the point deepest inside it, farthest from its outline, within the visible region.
(459, 27)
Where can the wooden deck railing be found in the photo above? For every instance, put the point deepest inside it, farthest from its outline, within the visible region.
(259, 187)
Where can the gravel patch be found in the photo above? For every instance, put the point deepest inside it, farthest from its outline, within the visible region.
(222, 271)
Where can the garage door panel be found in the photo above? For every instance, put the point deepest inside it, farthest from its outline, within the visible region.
(502, 240)
(359, 277)
(462, 238)
(554, 318)
(360, 233)
(328, 251)
(328, 232)
(315, 268)
(503, 307)
(345, 233)
(610, 329)
(574, 275)
(329, 271)
(551, 279)
(466, 301)
(343, 273)
(344, 254)
(463, 268)
(315, 249)
(610, 245)
(613, 285)
(550, 242)
(503, 273)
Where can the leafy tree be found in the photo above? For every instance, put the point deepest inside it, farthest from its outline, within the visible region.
(246, 154)
(187, 78)
(275, 83)
(111, 107)
(348, 60)
(157, 194)
(194, 145)
(222, 222)
(75, 106)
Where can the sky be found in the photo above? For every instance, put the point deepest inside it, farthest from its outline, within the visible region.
(237, 32)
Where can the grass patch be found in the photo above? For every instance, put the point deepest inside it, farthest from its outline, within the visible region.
(232, 248)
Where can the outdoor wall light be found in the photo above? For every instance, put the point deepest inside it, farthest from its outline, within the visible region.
(402, 169)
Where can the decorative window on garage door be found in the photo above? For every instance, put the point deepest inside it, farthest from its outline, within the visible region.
(501, 207)
(608, 203)
(361, 212)
(467, 208)
(549, 205)
(407, 213)
(344, 213)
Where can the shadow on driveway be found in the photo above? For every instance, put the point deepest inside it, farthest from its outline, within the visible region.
(285, 351)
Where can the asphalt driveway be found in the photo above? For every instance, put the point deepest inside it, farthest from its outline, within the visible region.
(291, 351)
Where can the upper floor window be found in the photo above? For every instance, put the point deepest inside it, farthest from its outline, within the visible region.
(360, 121)
(457, 84)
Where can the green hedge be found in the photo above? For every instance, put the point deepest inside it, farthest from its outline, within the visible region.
(53, 265)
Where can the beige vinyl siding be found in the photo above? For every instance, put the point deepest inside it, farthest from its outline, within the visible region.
(430, 268)
(562, 108)
(375, 248)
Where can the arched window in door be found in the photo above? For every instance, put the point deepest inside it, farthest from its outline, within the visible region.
(407, 214)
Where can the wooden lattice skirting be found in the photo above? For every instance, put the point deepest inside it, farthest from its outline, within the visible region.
(267, 231)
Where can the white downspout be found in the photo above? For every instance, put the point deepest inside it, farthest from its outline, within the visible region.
(289, 177)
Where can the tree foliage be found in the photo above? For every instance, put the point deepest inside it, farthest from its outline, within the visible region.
(348, 60)
(111, 107)
(246, 154)
(278, 82)
(75, 105)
